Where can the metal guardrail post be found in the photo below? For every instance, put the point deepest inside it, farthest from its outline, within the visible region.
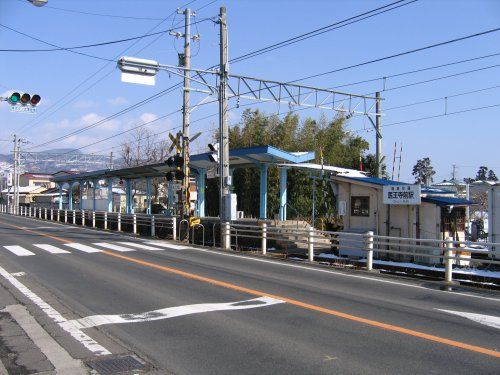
(83, 218)
(51, 214)
(105, 220)
(65, 216)
(29, 212)
(448, 262)
(93, 219)
(153, 229)
(45, 213)
(369, 250)
(74, 217)
(58, 215)
(119, 222)
(264, 238)
(135, 223)
(40, 213)
(310, 244)
(174, 228)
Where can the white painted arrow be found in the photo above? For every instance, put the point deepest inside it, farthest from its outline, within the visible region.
(487, 320)
(172, 312)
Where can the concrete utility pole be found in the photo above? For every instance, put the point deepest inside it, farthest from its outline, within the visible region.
(185, 112)
(223, 126)
(378, 150)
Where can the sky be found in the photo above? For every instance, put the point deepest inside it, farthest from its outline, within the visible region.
(81, 89)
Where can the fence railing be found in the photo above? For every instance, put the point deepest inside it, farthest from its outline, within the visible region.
(365, 248)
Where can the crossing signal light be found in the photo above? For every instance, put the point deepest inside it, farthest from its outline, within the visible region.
(177, 162)
(17, 98)
(214, 152)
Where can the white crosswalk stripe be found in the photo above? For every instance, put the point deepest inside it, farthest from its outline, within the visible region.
(81, 247)
(51, 249)
(113, 246)
(168, 245)
(19, 251)
(140, 245)
(95, 247)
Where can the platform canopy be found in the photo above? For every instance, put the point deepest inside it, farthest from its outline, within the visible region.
(252, 156)
(238, 158)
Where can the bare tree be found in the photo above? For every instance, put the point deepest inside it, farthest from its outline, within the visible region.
(143, 148)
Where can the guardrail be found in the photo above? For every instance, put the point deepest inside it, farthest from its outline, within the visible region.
(366, 248)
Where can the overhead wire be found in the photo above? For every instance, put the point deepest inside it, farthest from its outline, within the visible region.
(451, 41)
(62, 104)
(73, 48)
(324, 29)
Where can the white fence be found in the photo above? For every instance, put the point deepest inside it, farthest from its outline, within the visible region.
(366, 248)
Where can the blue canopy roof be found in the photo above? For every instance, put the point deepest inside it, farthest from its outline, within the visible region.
(448, 201)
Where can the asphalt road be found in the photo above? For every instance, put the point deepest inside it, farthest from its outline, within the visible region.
(297, 319)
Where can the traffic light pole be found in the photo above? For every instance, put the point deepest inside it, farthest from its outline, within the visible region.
(14, 177)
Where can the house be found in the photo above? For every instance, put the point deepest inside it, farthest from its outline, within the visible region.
(36, 179)
(27, 194)
(438, 215)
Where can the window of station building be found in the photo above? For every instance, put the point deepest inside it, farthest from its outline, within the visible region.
(360, 206)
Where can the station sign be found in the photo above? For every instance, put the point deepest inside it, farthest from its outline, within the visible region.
(402, 194)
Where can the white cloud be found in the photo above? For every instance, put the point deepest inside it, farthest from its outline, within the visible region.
(147, 117)
(84, 104)
(118, 101)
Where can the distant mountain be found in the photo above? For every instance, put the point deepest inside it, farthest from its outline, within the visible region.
(62, 151)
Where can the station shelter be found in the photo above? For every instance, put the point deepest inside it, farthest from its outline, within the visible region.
(261, 157)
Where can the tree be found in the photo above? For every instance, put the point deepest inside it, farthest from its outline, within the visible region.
(423, 171)
(491, 176)
(481, 173)
(370, 165)
(143, 148)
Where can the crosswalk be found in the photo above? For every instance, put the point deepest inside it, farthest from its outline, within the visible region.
(95, 247)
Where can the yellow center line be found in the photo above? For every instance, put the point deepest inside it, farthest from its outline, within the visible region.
(373, 323)
(294, 302)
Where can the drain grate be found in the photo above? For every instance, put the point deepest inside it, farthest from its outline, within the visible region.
(116, 365)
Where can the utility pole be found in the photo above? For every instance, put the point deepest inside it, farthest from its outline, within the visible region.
(378, 150)
(111, 160)
(185, 113)
(185, 62)
(224, 177)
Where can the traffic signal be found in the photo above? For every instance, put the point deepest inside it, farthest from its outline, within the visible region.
(17, 98)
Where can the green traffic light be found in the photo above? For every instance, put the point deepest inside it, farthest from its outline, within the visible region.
(15, 98)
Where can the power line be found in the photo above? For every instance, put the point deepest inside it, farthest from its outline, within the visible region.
(73, 48)
(416, 71)
(442, 98)
(398, 54)
(119, 113)
(58, 48)
(432, 117)
(322, 30)
(63, 104)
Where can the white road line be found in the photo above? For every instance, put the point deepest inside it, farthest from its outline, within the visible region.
(81, 247)
(487, 320)
(51, 249)
(139, 245)
(19, 251)
(112, 246)
(172, 312)
(68, 326)
(168, 245)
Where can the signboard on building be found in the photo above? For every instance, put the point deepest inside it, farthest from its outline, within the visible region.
(402, 194)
